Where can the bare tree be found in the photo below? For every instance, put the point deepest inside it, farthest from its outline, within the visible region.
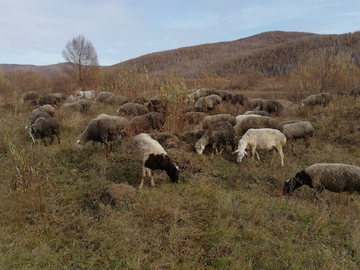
(82, 59)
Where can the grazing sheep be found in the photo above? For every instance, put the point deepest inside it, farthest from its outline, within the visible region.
(131, 108)
(30, 97)
(299, 130)
(194, 117)
(153, 157)
(146, 122)
(85, 104)
(261, 113)
(88, 94)
(45, 108)
(208, 102)
(34, 116)
(239, 99)
(53, 99)
(257, 122)
(116, 100)
(140, 100)
(271, 106)
(217, 118)
(46, 127)
(241, 117)
(104, 129)
(102, 96)
(265, 138)
(318, 99)
(225, 95)
(199, 93)
(254, 103)
(217, 135)
(71, 108)
(334, 177)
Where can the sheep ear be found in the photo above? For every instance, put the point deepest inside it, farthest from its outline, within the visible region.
(237, 151)
(245, 153)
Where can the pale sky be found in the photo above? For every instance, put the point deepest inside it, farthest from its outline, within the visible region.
(36, 31)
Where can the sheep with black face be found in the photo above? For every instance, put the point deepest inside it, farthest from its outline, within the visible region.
(334, 177)
(153, 157)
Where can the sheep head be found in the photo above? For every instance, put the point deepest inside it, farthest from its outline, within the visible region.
(240, 154)
(79, 144)
(199, 146)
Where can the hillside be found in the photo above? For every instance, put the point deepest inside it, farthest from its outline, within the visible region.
(189, 61)
(271, 53)
(48, 70)
(192, 61)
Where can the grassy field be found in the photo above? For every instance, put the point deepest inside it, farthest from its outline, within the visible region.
(65, 209)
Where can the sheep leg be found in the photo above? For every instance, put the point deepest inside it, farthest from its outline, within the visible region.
(253, 151)
(279, 149)
(58, 139)
(257, 155)
(51, 139)
(142, 177)
(213, 149)
(44, 142)
(150, 173)
(307, 142)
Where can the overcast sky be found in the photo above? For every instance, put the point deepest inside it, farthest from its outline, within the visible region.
(36, 31)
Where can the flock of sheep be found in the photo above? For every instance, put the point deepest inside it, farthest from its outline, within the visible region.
(254, 130)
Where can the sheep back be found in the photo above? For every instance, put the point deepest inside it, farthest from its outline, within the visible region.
(298, 130)
(146, 122)
(132, 109)
(208, 102)
(256, 123)
(217, 118)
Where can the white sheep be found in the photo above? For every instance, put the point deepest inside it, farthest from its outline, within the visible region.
(299, 130)
(88, 94)
(216, 135)
(263, 138)
(153, 157)
(334, 177)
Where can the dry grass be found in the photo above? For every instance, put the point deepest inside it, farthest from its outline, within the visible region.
(222, 215)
